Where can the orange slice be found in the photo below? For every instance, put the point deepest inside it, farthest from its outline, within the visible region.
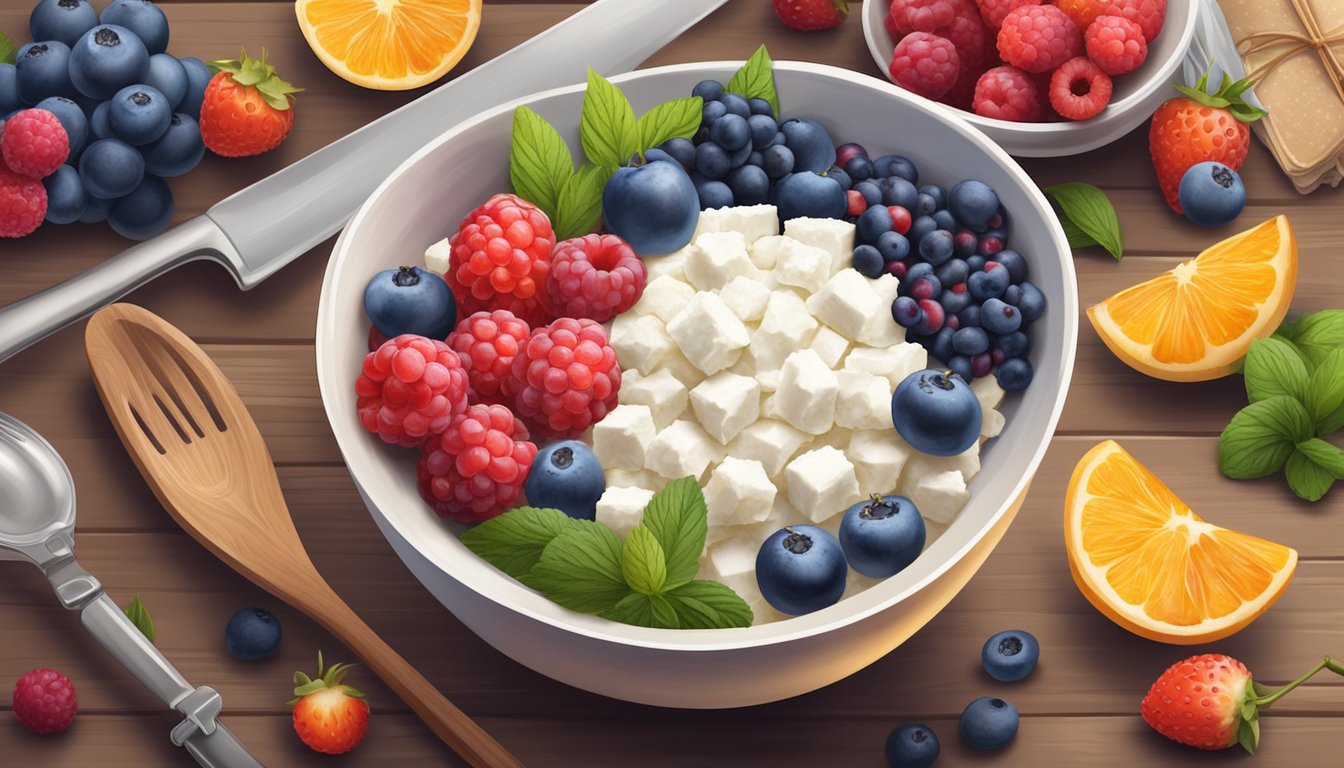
(1197, 321)
(1154, 567)
(389, 45)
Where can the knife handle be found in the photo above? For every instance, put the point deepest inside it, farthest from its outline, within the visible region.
(42, 314)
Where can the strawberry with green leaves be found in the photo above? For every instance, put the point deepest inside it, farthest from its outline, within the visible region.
(247, 109)
(810, 15)
(1210, 702)
(329, 716)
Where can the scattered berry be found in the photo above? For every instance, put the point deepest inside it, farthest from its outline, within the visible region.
(1006, 93)
(1148, 13)
(595, 276)
(1196, 127)
(329, 716)
(1038, 38)
(476, 469)
(1115, 44)
(565, 378)
(912, 745)
(487, 342)
(410, 300)
(1079, 89)
(44, 701)
(410, 389)
(1010, 656)
(247, 109)
(252, 634)
(809, 15)
(568, 477)
(988, 723)
(23, 204)
(925, 63)
(34, 143)
(801, 569)
(501, 259)
(1212, 194)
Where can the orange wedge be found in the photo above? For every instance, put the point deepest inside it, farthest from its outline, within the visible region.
(389, 45)
(1154, 567)
(1197, 321)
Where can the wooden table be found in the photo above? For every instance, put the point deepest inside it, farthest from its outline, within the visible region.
(1079, 708)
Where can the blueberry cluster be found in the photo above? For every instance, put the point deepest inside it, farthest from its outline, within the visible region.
(129, 109)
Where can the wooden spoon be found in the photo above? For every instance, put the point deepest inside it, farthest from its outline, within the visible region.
(196, 444)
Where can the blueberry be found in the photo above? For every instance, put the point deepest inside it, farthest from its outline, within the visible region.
(111, 168)
(1012, 295)
(712, 160)
(945, 220)
(954, 301)
(975, 263)
(62, 20)
(964, 243)
(987, 284)
(1000, 318)
(882, 535)
(72, 119)
(924, 205)
(709, 90)
(167, 76)
(649, 156)
(898, 191)
(936, 247)
(712, 111)
(730, 132)
(991, 242)
(988, 723)
(566, 476)
(970, 341)
(740, 156)
(198, 77)
(918, 270)
(1015, 344)
(681, 150)
(848, 151)
(923, 285)
(714, 194)
(961, 365)
(939, 344)
(141, 17)
(143, 213)
(778, 140)
(410, 300)
(896, 165)
(872, 224)
(969, 317)
(99, 123)
(749, 184)
(810, 195)
(813, 149)
(701, 135)
(66, 198)
(936, 192)
(920, 227)
(756, 159)
(1211, 194)
(973, 203)
(1032, 303)
(1014, 374)
(761, 107)
(178, 151)
(252, 634)
(952, 271)
(867, 261)
(905, 310)
(936, 413)
(777, 161)
(106, 59)
(43, 70)
(800, 569)
(1010, 656)
(912, 745)
(859, 168)
(763, 129)
(841, 178)
(97, 211)
(871, 194)
(736, 104)
(10, 100)
(139, 114)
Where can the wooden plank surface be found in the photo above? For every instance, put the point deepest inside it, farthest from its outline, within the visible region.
(1079, 708)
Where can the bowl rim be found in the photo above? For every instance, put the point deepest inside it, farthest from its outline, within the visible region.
(509, 594)
(872, 32)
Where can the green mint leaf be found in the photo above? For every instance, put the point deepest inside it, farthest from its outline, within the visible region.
(1261, 437)
(1325, 455)
(643, 563)
(8, 51)
(709, 605)
(1273, 368)
(607, 124)
(1077, 238)
(579, 206)
(513, 542)
(539, 160)
(675, 119)
(1288, 328)
(1307, 479)
(1325, 392)
(677, 518)
(139, 616)
(1089, 208)
(1319, 333)
(1277, 336)
(581, 569)
(643, 611)
(756, 79)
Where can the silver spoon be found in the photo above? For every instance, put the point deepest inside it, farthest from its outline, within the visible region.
(37, 524)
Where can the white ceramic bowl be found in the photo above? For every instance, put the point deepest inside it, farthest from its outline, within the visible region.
(425, 199)
(1136, 96)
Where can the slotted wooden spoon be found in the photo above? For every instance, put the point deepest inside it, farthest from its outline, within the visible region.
(200, 451)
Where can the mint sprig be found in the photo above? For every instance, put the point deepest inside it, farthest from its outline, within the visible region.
(648, 580)
(607, 124)
(1088, 217)
(139, 616)
(8, 52)
(756, 79)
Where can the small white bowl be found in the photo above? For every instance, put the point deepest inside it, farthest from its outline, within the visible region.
(1137, 95)
(425, 199)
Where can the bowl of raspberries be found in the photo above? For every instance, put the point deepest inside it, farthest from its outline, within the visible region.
(1043, 78)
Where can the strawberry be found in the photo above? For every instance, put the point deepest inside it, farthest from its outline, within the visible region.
(1209, 701)
(246, 109)
(1200, 126)
(809, 15)
(329, 716)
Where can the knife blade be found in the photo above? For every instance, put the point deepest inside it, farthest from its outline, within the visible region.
(260, 229)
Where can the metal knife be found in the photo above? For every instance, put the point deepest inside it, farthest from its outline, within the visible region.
(262, 228)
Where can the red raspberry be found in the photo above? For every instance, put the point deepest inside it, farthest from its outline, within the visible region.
(1116, 45)
(487, 342)
(1038, 38)
(410, 388)
(994, 11)
(925, 64)
(1007, 93)
(475, 470)
(1149, 14)
(1079, 89)
(595, 276)
(1083, 12)
(23, 204)
(974, 44)
(500, 259)
(565, 379)
(921, 15)
(34, 143)
(44, 701)
(889, 24)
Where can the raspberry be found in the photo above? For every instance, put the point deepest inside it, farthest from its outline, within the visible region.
(595, 276)
(966, 31)
(410, 388)
(889, 23)
(1007, 93)
(925, 64)
(1115, 44)
(1149, 14)
(921, 15)
(1083, 12)
(44, 701)
(994, 11)
(34, 143)
(23, 204)
(565, 379)
(1079, 89)
(486, 342)
(1038, 38)
(500, 258)
(475, 470)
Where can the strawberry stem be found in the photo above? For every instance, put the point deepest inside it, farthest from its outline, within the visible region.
(1327, 663)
